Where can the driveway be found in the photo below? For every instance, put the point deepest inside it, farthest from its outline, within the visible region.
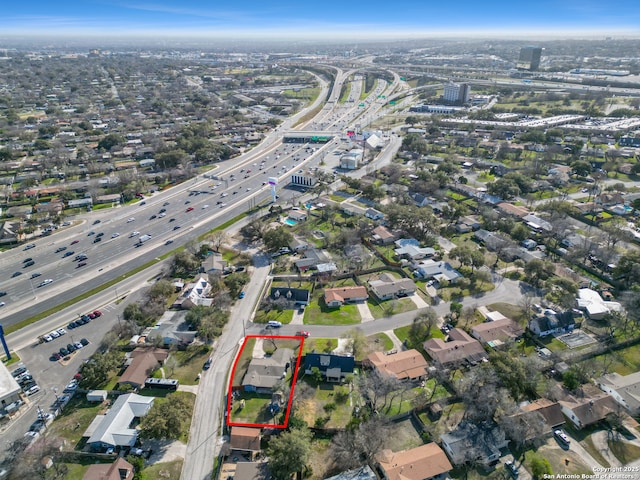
(365, 313)
(419, 302)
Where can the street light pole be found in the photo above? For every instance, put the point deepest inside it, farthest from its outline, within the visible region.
(55, 393)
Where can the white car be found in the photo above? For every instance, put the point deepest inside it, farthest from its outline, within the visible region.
(134, 234)
(32, 435)
(2, 304)
(46, 282)
(131, 219)
(205, 206)
(115, 235)
(47, 338)
(78, 345)
(61, 331)
(560, 435)
(54, 334)
(222, 205)
(33, 390)
(224, 194)
(162, 215)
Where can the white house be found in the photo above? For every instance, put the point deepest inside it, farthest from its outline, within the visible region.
(625, 389)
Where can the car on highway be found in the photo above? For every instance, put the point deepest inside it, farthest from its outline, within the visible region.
(131, 219)
(152, 217)
(176, 227)
(115, 235)
(187, 202)
(224, 194)
(2, 294)
(222, 204)
(74, 242)
(45, 282)
(101, 234)
(29, 247)
(205, 206)
(60, 249)
(91, 233)
(80, 256)
(35, 275)
(28, 264)
(2, 304)
(134, 234)
(303, 333)
(97, 239)
(189, 209)
(241, 295)
(81, 264)
(68, 254)
(162, 215)
(168, 242)
(165, 204)
(16, 274)
(172, 220)
(95, 222)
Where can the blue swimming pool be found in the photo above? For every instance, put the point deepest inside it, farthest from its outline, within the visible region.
(291, 222)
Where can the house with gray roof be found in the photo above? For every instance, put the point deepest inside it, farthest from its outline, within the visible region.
(439, 271)
(480, 443)
(265, 373)
(625, 389)
(386, 287)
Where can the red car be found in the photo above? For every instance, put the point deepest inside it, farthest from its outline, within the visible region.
(303, 333)
(189, 209)
(91, 315)
(74, 242)
(97, 313)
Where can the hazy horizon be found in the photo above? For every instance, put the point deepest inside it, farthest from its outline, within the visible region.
(326, 21)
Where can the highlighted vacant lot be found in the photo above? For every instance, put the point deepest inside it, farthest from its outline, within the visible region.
(262, 381)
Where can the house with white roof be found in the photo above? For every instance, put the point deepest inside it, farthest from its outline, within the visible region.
(593, 304)
(625, 389)
(114, 428)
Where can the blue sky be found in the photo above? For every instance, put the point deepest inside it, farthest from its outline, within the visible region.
(303, 18)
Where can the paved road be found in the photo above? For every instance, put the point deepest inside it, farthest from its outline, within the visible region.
(204, 436)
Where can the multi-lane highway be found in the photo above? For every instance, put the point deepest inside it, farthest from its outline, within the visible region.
(172, 217)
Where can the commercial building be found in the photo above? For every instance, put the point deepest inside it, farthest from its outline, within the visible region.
(456, 92)
(9, 388)
(529, 58)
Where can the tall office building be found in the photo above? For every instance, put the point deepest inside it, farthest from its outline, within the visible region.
(529, 58)
(456, 92)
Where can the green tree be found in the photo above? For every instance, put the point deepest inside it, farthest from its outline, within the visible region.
(289, 452)
(167, 419)
(540, 466)
(357, 342)
(421, 327)
(538, 271)
(519, 232)
(277, 238)
(184, 263)
(110, 141)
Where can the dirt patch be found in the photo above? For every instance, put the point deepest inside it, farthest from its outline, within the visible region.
(402, 436)
(563, 461)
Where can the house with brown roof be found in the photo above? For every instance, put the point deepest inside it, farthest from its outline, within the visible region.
(118, 470)
(497, 332)
(405, 365)
(460, 349)
(336, 297)
(245, 439)
(141, 364)
(512, 210)
(382, 235)
(588, 410)
(551, 411)
(426, 462)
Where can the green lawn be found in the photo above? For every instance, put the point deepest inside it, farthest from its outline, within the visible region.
(190, 364)
(325, 403)
(71, 423)
(255, 409)
(320, 345)
(283, 316)
(317, 313)
(384, 340)
(390, 307)
(166, 471)
(243, 361)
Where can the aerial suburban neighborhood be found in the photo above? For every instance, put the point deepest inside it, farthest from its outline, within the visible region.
(407, 261)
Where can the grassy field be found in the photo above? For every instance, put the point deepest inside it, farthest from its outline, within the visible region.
(283, 316)
(243, 361)
(390, 307)
(328, 404)
(190, 364)
(255, 409)
(325, 345)
(383, 340)
(317, 313)
(166, 471)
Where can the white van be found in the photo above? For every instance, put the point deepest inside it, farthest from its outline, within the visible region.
(274, 324)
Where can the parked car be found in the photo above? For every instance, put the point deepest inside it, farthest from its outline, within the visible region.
(97, 313)
(33, 390)
(18, 371)
(71, 347)
(64, 352)
(47, 338)
(303, 333)
(61, 331)
(207, 364)
(84, 341)
(562, 437)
